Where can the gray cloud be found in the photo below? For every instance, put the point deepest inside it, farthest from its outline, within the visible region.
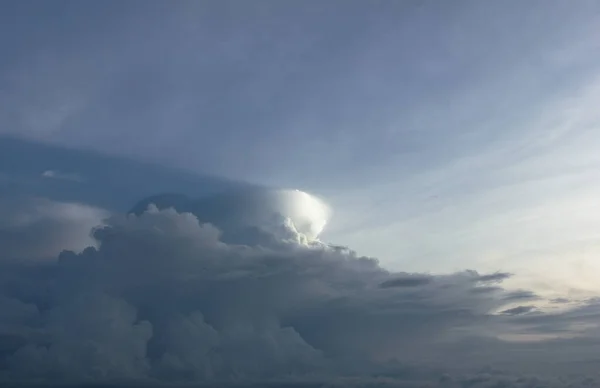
(521, 295)
(495, 277)
(518, 310)
(406, 281)
(162, 298)
(38, 228)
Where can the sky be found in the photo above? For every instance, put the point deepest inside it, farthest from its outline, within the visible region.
(453, 143)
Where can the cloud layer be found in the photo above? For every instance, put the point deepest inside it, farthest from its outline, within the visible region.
(162, 298)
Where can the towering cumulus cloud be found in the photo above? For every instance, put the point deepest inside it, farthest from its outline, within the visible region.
(249, 214)
(251, 296)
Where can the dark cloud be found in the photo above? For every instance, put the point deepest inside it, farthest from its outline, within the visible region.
(406, 281)
(162, 297)
(482, 380)
(491, 278)
(518, 310)
(518, 295)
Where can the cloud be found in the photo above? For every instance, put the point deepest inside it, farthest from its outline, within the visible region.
(38, 228)
(518, 310)
(251, 214)
(495, 277)
(161, 297)
(406, 281)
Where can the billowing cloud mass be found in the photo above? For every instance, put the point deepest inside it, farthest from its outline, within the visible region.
(37, 228)
(252, 216)
(163, 296)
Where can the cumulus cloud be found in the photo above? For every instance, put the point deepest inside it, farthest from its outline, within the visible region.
(161, 296)
(38, 228)
(254, 215)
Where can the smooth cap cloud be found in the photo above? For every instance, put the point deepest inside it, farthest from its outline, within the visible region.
(274, 212)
